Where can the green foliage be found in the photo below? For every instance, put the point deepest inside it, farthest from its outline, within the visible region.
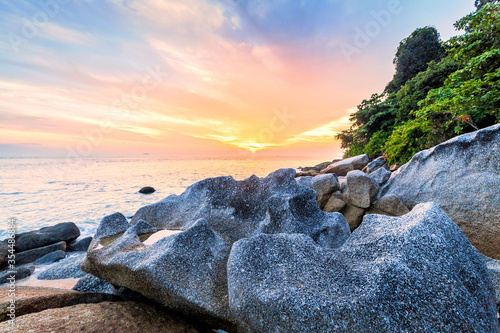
(481, 3)
(407, 140)
(414, 54)
(376, 144)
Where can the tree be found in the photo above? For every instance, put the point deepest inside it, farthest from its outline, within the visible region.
(481, 3)
(414, 54)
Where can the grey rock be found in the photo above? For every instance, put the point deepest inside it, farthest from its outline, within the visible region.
(361, 189)
(381, 176)
(394, 167)
(353, 215)
(93, 284)
(4, 251)
(342, 184)
(18, 274)
(493, 267)
(462, 176)
(310, 173)
(66, 232)
(34, 254)
(342, 167)
(51, 257)
(81, 245)
(376, 164)
(335, 203)
(68, 268)
(319, 167)
(305, 181)
(415, 273)
(112, 225)
(187, 271)
(324, 185)
(389, 205)
(147, 190)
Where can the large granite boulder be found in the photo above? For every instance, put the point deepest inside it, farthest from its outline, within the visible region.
(415, 273)
(187, 271)
(66, 232)
(341, 168)
(361, 189)
(462, 176)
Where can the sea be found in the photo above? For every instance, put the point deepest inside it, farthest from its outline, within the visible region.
(40, 192)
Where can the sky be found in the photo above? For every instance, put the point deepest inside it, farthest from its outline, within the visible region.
(197, 77)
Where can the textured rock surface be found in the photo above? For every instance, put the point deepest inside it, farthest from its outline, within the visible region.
(34, 254)
(342, 167)
(389, 205)
(68, 268)
(353, 215)
(66, 232)
(493, 267)
(93, 284)
(305, 181)
(51, 257)
(324, 185)
(381, 176)
(111, 225)
(361, 189)
(416, 273)
(335, 203)
(81, 245)
(462, 176)
(20, 273)
(375, 165)
(187, 271)
(130, 317)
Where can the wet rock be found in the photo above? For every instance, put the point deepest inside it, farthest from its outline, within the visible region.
(79, 246)
(112, 225)
(51, 257)
(342, 167)
(462, 176)
(389, 205)
(17, 274)
(147, 190)
(324, 185)
(381, 176)
(34, 254)
(66, 232)
(415, 273)
(361, 189)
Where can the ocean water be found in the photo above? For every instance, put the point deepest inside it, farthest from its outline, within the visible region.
(39, 192)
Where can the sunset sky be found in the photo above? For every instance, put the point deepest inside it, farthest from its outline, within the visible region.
(180, 77)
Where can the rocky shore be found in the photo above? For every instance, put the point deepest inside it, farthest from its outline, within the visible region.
(350, 245)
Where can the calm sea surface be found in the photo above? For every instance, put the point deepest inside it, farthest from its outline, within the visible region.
(40, 192)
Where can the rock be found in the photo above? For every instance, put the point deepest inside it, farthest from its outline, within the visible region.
(324, 185)
(310, 173)
(19, 273)
(353, 215)
(66, 232)
(342, 167)
(68, 268)
(462, 176)
(493, 267)
(317, 167)
(389, 205)
(34, 254)
(376, 164)
(335, 203)
(304, 181)
(93, 284)
(81, 245)
(342, 184)
(36, 299)
(147, 190)
(187, 271)
(361, 189)
(381, 176)
(130, 317)
(111, 225)
(415, 273)
(51, 257)
(394, 167)
(4, 251)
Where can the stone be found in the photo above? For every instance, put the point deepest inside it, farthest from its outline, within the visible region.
(4, 251)
(462, 176)
(147, 190)
(93, 284)
(389, 205)
(324, 185)
(79, 246)
(186, 271)
(68, 268)
(35, 299)
(415, 273)
(34, 254)
(342, 167)
(394, 167)
(361, 189)
(353, 215)
(305, 181)
(111, 225)
(317, 167)
(310, 173)
(66, 232)
(335, 203)
(51, 257)
(106, 317)
(493, 267)
(18, 274)
(376, 164)
(381, 176)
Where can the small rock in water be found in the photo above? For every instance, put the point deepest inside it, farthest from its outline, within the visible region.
(45, 236)
(147, 190)
(51, 257)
